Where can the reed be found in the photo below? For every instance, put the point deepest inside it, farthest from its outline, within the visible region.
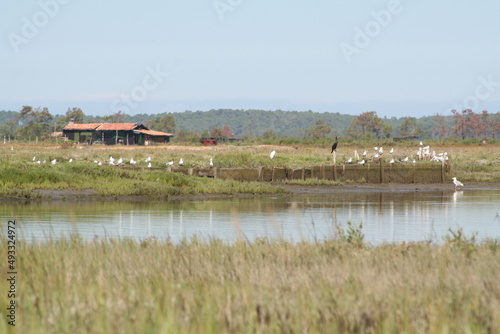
(267, 286)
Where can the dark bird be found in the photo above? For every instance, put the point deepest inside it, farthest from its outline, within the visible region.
(334, 146)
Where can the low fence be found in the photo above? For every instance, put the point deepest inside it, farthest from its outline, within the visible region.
(422, 172)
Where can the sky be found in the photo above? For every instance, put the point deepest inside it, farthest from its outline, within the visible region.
(396, 57)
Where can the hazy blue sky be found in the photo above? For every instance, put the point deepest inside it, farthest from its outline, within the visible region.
(399, 58)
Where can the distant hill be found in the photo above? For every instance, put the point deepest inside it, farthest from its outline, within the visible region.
(254, 122)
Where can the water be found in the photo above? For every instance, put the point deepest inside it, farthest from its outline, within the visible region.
(386, 217)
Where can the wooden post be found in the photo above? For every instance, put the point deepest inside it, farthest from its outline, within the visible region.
(381, 166)
(335, 165)
(272, 174)
(442, 171)
(116, 137)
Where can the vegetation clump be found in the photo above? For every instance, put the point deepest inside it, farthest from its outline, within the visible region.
(265, 286)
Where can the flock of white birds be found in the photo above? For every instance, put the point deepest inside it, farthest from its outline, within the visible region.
(120, 162)
(423, 153)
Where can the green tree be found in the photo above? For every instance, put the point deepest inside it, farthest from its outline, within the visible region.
(319, 130)
(164, 123)
(369, 125)
(118, 117)
(75, 115)
(35, 122)
(216, 132)
(409, 127)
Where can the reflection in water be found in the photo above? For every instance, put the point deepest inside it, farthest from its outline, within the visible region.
(386, 217)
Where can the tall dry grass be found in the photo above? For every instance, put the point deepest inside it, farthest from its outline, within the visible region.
(112, 286)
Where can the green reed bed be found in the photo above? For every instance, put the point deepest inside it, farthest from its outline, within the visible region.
(335, 286)
(23, 178)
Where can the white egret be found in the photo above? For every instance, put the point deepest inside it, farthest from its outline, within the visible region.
(405, 159)
(273, 153)
(362, 162)
(181, 162)
(211, 163)
(381, 150)
(53, 161)
(132, 161)
(349, 160)
(34, 158)
(120, 161)
(392, 161)
(170, 163)
(457, 183)
(149, 165)
(111, 159)
(392, 150)
(364, 154)
(70, 160)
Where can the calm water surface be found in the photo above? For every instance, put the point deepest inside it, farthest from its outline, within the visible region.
(386, 217)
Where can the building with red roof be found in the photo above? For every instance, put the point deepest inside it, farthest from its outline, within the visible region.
(114, 133)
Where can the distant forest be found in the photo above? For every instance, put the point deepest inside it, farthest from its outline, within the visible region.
(30, 122)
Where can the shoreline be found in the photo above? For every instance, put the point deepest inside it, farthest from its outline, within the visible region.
(289, 190)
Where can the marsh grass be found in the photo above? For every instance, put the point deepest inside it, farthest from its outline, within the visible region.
(267, 286)
(20, 175)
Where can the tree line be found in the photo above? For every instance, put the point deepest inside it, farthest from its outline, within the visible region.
(30, 122)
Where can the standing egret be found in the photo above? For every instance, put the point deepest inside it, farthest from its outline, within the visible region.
(181, 162)
(457, 183)
(53, 161)
(132, 161)
(381, 150)
(392, 150)
(211, 163)
(334, 146)
(348, 161)
(120, 161)
(149, 165)
(273, 153)
(364, 154)
(70, 160)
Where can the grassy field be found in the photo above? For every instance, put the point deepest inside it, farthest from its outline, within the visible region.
(20, 174)
(335, 286)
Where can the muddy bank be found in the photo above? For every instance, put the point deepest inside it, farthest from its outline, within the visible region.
(294, 190)
(385, 187)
